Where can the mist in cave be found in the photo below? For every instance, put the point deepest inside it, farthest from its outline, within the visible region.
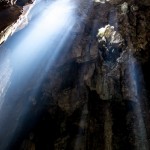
(75, 77)
(39, 47)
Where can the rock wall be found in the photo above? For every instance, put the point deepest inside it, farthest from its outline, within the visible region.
(95, 97)
(12, 17)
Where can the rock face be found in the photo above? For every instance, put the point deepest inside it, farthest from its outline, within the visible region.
(95, 96)
(12, 17)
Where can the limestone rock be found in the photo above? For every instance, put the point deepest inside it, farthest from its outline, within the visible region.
(12, 18)
(92, 99)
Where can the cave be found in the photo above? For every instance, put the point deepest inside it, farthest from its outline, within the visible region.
(74, 75)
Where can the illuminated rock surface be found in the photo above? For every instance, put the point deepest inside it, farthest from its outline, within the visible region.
(95, 96)
(12, 17)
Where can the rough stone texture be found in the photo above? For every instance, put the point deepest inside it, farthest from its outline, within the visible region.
(91, 98)
(102, 107)
(12, 18)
